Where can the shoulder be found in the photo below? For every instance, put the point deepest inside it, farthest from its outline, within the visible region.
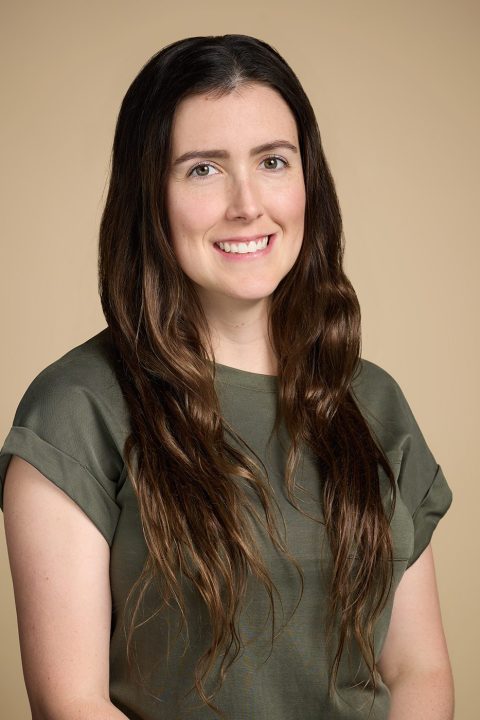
(76, 404)
(82, 376)
(89, 364)
(373, 385)
(382, 402)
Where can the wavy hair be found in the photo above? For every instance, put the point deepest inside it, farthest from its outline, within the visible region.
(178, 457)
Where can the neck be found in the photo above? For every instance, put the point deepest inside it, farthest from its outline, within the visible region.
(240, 336)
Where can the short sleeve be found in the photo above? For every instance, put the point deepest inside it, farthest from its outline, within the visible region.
(61, 427)
(422, 485)
(421, 481)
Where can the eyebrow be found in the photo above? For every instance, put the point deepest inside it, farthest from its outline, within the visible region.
(223, 154)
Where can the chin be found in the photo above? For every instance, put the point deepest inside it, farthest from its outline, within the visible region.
(253, 296)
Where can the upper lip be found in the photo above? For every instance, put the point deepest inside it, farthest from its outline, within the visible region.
(244, 239)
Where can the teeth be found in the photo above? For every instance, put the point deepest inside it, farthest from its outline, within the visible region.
(241, 247)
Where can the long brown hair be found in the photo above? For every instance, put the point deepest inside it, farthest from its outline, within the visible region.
(194, 518)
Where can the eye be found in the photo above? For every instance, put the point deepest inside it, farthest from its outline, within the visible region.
(200, 166)
(275, 158)
(205, 165)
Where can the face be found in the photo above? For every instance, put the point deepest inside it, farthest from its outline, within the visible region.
(230, 189)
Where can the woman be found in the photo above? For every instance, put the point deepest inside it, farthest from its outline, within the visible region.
(154, 464)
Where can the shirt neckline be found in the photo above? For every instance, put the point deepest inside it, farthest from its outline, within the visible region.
(243, 378)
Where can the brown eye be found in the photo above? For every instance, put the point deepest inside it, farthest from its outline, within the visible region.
(201, 166)
(274, 159)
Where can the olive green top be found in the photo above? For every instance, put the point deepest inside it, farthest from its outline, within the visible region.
(72, 423)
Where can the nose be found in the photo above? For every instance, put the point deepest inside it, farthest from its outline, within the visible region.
(244, 200)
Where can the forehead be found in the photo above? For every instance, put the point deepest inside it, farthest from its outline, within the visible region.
(248, 114)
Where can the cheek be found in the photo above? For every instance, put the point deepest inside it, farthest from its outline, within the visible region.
(190, 214)
(190, 217)
(291, 203)
(298, 203)
(294, 214)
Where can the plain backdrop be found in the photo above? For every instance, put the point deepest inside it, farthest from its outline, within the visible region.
(395, 87)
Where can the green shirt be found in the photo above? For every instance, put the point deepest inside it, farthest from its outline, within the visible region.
(72, 423)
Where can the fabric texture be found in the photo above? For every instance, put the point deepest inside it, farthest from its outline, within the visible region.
(72, 423)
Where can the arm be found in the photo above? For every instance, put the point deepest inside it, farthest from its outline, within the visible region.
(60, 570)
(414, 662)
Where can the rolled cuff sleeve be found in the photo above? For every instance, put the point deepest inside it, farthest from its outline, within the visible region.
(66, 472)
(432, 508)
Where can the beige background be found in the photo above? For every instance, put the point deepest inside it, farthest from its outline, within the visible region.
(395, 89)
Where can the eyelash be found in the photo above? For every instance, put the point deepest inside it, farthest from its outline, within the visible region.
(207, 164)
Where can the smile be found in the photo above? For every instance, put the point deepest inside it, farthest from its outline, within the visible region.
(245, 251)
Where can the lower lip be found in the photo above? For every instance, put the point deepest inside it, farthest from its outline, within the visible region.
(242, 257)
